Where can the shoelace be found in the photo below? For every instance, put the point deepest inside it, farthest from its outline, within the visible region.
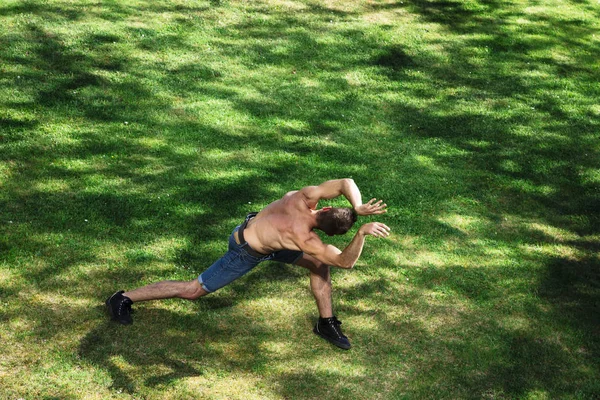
(335, 323)
(125, 305)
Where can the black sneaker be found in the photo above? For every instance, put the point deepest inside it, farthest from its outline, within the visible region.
(119, 308)
(329, 329)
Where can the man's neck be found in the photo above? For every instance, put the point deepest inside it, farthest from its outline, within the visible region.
(313, 219)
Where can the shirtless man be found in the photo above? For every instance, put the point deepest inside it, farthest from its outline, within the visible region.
(284, 232)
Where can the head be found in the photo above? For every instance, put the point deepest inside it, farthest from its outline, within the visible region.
(335, 221)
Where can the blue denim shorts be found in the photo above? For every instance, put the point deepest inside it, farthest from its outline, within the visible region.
(237, 262)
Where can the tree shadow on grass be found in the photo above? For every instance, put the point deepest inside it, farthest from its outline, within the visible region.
(112, 347)
(490, 163)
(573, 288)
(184, 345)
(551, 362)
(550, 158)
(460, 333)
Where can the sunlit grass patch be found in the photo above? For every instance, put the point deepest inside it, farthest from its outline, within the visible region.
(135, 135)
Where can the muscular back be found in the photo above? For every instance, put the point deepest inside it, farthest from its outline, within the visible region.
(288, 223)
(283, 224)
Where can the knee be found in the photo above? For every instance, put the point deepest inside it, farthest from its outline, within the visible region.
(195, 291)
(323, 271)
(195, 295)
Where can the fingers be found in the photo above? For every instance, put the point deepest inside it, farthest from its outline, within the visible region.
(370, 203)
(384, 230)
(380, 230)
(376, 208)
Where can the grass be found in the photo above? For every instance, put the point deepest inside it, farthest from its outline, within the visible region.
(134, 135)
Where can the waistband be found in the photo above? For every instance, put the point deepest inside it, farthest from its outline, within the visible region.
(243, 242)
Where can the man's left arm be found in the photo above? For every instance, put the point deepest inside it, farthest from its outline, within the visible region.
(346, 259)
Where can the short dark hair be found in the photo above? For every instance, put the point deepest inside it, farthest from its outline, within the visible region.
(336, 221)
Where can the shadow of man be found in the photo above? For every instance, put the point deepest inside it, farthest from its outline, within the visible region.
(108, 348)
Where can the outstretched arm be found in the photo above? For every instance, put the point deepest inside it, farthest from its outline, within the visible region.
(346, 259)
(338, 187)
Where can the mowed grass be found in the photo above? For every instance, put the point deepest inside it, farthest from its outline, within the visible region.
(134, 135)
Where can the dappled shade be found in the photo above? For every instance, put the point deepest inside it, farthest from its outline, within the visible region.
(135, 135)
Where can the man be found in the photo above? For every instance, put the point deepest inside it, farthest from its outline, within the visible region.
(284, 232)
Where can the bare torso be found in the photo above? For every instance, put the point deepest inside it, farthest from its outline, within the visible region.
(283, 224)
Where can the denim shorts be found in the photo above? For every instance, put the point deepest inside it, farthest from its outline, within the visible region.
(237, 262)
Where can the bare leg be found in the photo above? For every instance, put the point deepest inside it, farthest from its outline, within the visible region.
(320, 284)
(190, 290)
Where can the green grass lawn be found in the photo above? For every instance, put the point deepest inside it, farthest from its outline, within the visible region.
(134, 135)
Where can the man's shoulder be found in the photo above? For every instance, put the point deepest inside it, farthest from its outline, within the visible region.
(310, 243)
(296, 201)
(306, 197)
(291, 193)
(295, 195)
(304, 236)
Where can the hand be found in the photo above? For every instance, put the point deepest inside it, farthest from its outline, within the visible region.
(371, 208)
(376, 229)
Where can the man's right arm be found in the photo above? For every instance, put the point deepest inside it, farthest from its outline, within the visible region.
(346, 187)
(346, 259)
(332, 189)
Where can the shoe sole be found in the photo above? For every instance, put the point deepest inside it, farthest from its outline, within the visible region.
(330, 340)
